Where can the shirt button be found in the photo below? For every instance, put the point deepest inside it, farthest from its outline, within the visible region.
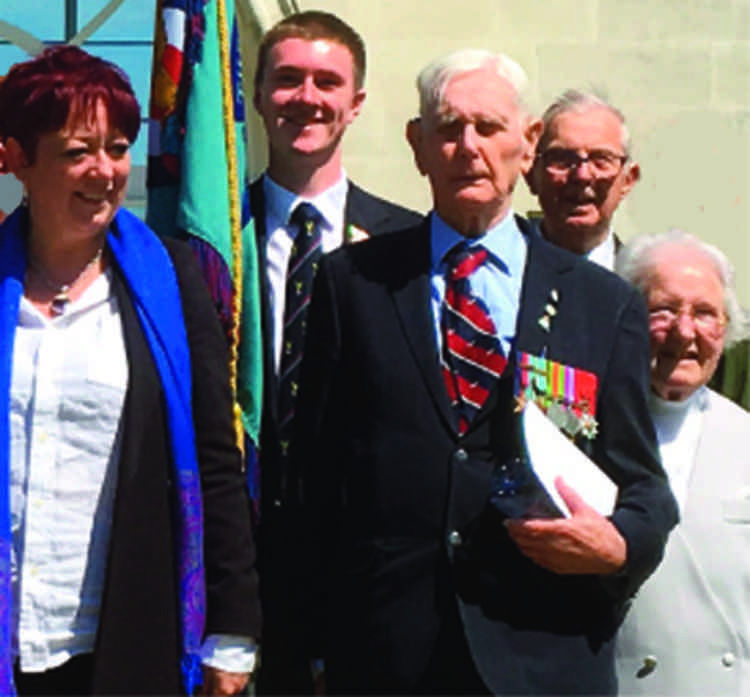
(455, 539)
(728, 659)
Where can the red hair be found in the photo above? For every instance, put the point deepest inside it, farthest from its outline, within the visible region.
(39, 95)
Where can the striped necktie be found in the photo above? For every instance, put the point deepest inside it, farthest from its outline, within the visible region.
(301, 268)
(472, 356)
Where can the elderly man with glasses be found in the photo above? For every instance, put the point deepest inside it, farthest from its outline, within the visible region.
(583, 170)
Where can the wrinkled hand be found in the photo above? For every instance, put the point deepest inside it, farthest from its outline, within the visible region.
(585, 543)
(221, 682)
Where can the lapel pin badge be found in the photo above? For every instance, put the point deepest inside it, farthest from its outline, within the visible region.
(550, 311)
(356, 234)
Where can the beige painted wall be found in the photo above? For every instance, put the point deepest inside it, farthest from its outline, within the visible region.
(679, 69)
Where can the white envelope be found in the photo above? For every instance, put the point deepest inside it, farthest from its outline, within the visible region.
(552, 454)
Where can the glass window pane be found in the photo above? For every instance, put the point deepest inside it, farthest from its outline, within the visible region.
(136, 62)
(136, 198)
(131, 21)
(9, 55)
(138, 151)
(43, 19)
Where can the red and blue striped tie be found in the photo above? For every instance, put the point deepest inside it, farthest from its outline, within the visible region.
(472, 356)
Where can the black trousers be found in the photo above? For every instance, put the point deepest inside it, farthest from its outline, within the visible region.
(71, 678)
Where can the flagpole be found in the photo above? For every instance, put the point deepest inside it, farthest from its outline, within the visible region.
(235, 214)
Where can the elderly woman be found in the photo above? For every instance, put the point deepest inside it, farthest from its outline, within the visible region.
(688, 630)
(126, 556)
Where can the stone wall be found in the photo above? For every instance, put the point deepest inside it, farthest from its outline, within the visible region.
(679, 69)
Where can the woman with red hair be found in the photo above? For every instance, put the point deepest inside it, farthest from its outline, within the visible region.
(126, 557)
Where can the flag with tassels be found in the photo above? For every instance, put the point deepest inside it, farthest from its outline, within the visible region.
(197, 180)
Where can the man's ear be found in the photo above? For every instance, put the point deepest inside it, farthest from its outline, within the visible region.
(531, 134)
(414, 138)
(357, 103)
(632, 175)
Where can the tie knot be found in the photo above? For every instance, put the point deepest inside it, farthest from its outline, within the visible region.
(305, 217)
(463, 261)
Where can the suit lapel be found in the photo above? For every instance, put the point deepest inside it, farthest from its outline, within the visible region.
(544, 274)
(361, 213)
(412, 301)
(545, 271)
(358, 213)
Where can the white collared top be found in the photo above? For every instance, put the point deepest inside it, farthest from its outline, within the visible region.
(280, 203)
(68, 387)
(678, 430)
(604, 253)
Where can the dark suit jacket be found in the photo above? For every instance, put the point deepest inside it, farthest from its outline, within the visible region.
(138, 643)
(387, 478)
(364, 211)
(284, 669)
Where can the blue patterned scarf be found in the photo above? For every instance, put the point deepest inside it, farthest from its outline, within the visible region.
(151, 280)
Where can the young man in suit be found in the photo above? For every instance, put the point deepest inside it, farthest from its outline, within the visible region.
(420, 583)
(582, 171)
(309, 86)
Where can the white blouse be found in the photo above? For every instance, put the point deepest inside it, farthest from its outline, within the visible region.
(68, 387)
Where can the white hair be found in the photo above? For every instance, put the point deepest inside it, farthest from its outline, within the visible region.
(636, 262)
(433, 78)
(578, 102)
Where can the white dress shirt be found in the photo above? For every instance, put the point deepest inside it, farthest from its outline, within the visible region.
(280, 204)
(604, 253)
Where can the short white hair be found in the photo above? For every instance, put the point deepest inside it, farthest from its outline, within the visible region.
(636, 262)
(433, 78)
(579, 102)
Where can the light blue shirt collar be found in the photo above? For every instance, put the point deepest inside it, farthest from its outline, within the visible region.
(504, 241)
(498, 282)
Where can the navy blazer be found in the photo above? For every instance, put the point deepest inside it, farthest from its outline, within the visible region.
(363, 210)
(388, 482)
(284, 669)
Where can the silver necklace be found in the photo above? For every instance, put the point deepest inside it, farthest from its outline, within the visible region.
(61, 299)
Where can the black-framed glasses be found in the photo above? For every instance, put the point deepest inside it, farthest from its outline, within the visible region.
(601, 163)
